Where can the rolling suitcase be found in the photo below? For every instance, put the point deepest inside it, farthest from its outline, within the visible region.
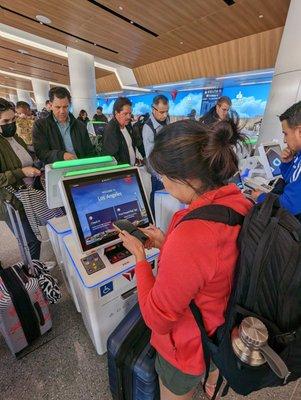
(131, 360)
(24, 313)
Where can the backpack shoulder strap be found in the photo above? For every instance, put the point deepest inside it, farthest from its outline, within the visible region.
(215, 213)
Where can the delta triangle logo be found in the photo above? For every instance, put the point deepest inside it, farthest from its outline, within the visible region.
(129, 275)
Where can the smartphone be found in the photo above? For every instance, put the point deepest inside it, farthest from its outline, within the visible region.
(125, 225)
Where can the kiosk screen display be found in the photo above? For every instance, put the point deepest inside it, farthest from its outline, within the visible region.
(97, 201)
(237, 180)
(273, 154)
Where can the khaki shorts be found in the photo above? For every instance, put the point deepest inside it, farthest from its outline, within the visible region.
(175, 380)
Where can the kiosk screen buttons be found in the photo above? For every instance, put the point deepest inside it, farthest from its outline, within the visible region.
(92, 263)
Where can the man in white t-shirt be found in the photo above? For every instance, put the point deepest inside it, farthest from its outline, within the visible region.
(117, 137)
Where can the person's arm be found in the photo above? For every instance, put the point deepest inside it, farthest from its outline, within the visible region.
(89, 150)
(41, 144)
(148, 139)
(110, 142)
(11, 177)
(290, 199)
(181, 275)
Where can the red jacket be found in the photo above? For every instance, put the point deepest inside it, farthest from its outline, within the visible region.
(196, 262)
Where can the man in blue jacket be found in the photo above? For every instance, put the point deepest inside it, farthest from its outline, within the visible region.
(290, 167)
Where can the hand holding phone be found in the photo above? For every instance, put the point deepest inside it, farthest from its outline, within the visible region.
(125, 225)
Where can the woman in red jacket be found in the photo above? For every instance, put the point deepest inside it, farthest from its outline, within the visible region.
(197, 257)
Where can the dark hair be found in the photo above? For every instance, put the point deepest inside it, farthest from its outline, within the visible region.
(160, 99)
(47, 102)
(120, 102)
(22, 104)
(292, 115)
(59, 92)
(189, 150)
(82, 112)
(99, 108)
(6, 105)
(224, 99)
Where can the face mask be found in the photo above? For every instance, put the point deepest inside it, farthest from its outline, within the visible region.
(8, 130)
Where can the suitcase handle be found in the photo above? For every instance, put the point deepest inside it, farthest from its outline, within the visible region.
(40, 313)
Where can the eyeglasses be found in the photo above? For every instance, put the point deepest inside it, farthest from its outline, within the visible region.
(160, 112)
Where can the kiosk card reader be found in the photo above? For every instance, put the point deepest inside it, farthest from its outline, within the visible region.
(54, 172)
(100, 268)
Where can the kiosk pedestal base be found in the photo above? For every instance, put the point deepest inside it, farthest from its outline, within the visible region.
(57, 229)
(105, 302)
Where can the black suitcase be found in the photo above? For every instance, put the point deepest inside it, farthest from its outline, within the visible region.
(131, 360)
(24, 312)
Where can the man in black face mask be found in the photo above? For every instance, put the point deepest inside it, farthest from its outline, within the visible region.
(15, 169)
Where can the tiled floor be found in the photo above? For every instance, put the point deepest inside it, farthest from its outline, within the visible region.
(63, 364)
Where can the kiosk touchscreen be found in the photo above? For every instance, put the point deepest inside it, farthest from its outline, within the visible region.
(270, 155)
(55, 171)
(93, 202)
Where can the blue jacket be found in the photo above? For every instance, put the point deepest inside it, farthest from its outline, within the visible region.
(290, 199)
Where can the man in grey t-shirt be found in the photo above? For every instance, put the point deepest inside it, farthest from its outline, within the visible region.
(158, 119)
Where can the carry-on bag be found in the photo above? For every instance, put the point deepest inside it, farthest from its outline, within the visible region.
(131, 360)
(24, 312)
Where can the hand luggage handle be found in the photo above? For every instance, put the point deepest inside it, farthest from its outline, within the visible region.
(40, 313)
(18, 230)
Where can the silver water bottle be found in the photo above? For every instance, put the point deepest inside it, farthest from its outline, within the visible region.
(250, 344)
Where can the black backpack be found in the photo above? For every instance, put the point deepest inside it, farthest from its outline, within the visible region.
(267, 285)
(137, 133)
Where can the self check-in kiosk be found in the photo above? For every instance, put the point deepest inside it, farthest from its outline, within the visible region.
(99, 270)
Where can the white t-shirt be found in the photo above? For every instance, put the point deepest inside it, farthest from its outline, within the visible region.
(129, 143)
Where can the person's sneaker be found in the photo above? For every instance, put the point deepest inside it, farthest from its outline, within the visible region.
(50, 265)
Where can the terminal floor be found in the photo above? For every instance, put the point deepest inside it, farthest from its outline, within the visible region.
(63, 364)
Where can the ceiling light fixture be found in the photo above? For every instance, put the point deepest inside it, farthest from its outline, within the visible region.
(43, 20)
(254, 83)
(220, 78)
(23, 51)
(171, 84)
(120, 8)
(260, 16)
(181, 42)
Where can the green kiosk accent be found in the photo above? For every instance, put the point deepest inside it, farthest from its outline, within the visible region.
(55, 171)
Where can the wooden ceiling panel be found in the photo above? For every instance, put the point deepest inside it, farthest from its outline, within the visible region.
(198, 24)
(99, 73)
(249, 53)
(13, 67)
(107, 83)
(163, 16)
(41, 55)
(15, 82)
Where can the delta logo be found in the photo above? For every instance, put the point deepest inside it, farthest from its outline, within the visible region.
(129, 275)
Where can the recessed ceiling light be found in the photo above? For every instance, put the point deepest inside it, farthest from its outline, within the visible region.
(260, 16)
(131, 22)
(43, 20)
(120, 8)
(181, 42)
(23, 51)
